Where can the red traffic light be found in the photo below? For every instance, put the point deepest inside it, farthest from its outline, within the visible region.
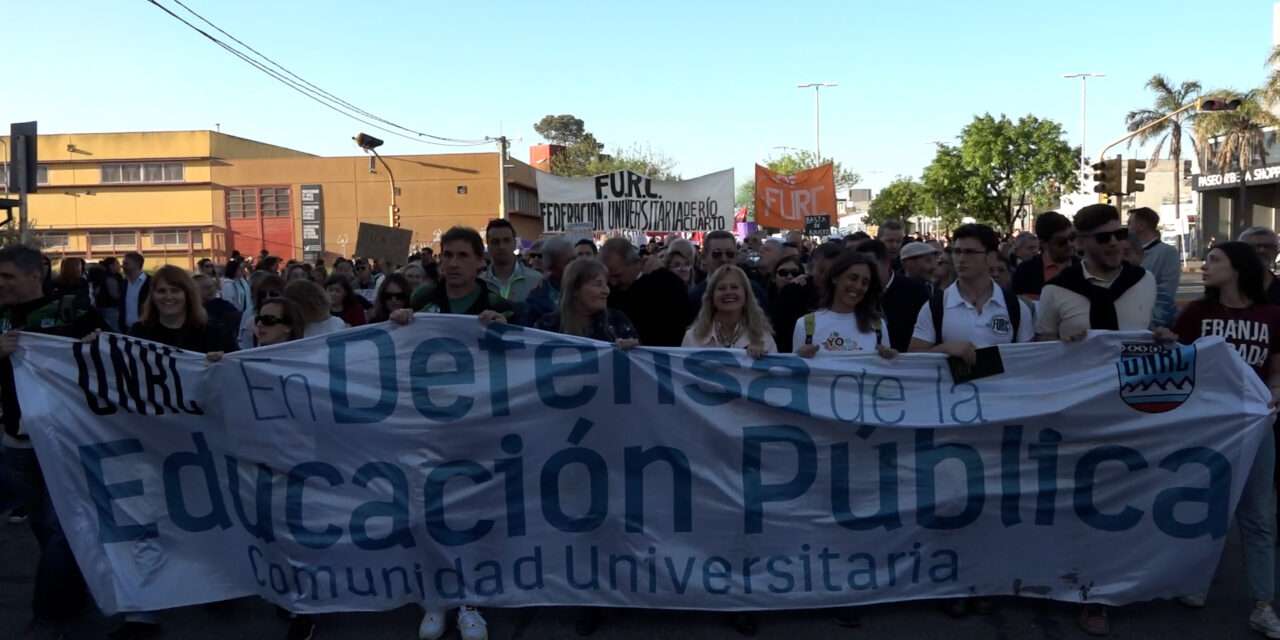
(1219, 104)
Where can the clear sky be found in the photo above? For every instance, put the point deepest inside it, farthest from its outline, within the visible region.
(707, 83)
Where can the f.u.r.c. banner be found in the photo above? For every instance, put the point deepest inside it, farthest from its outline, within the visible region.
(445, 463)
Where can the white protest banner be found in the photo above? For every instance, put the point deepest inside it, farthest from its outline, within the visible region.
(441, 463)
(628, 201)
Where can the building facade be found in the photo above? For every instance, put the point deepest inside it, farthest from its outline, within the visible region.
(177, 197)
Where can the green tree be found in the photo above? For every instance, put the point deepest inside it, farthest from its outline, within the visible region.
(1236, 138)
(1168, 100)
(948, 186)
(564, 129)
(639, 160)
(583, 154)
(898, 200)
(799, 160)
(1011, 166)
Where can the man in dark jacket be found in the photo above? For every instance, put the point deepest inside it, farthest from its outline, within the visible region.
(1057, 252)
(224, 318)
(60, 590)
(902, 297)
(655, 302)
(719, 248)
(557, 253)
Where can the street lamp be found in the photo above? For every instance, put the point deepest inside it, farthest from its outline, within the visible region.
(370, 145)
(817, 111)
(1084, 81)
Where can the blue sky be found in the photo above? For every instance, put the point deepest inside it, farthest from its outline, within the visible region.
(708, 84)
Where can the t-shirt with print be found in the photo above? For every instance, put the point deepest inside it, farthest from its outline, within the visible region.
(1254, 331)
(838, 333)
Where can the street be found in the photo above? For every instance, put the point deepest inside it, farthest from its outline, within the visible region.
(1225, 618)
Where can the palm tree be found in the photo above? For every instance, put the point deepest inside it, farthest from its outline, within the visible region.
(1240, 135)
(1168, 100)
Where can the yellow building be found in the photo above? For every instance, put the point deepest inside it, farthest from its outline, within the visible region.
(179, 196)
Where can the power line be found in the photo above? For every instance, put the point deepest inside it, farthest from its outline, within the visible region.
(315, 93)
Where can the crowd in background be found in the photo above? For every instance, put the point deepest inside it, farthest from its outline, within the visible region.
(886, 295)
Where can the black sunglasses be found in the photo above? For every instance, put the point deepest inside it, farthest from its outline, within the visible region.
(271, 321)
(1103, 237)
(789, 273)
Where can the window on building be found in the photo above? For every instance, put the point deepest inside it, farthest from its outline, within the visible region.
(42, 175)
(54, 241)
(275, 203)
(242, 203)
(169, 239)
(108, 241)
(250, 202)
(141, 172)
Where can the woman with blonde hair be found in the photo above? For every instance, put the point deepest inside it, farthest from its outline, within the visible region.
(313, 302)
(731, 317)
(679, 259)
(584, 298)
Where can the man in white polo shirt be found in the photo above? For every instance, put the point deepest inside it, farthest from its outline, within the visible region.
(1102, 293)
(975, 312)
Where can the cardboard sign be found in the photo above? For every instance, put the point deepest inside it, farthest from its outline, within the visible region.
(817, 226)
(379, 242)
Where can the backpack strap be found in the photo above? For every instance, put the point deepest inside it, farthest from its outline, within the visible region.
(1014, 306)
(810, 324)
(936, 308)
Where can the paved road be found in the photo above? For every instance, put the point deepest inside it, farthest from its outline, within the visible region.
(1224, 619)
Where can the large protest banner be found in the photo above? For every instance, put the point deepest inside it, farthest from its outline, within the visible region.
(783, 201)
(443, 463)
(628, 201)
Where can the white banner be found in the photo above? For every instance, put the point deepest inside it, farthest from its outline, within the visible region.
(627, 201)
(444, 464)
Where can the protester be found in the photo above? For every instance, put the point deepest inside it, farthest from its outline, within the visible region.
(461, 258)
(318, 273)
(269, 264)
(314, 303)
(344, 267)
(174, 315)
(719, 248)
(109, 295)
(137, 286)
(657, 303)
(265, 287)
(1057, 239)
(59, 589)
(1162, 260)
(278, 320)
(71, 281)
(584, 306)
(998, 266)
(944, 275)
(415, 275)
(344, 302)
(850, 319)
(557, 253)
(1266, 245)
(1100, 293)
(731, 317)
(365, 278)
(1025, 247)
(586, 248)
(919, 260)
(506, 275)
(392, 296)
(679, 259)
(901, 299)
(791, 295)
(1131, 252)
(1235, 307)
(974, 312)
(235, 287)
(297, 272)
(223, 317)
(892, 233)
(534, 256)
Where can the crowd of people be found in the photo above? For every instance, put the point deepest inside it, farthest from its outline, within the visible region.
(882, 295)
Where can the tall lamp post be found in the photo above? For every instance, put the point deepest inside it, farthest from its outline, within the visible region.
(1084, 83)
(817, 112)
(370, 144)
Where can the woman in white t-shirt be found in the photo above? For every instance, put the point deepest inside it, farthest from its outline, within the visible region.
(850, 319)
(731, 317)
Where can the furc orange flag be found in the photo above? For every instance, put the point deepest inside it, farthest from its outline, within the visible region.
(782, 202)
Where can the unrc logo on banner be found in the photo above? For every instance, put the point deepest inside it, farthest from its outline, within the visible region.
(1156, 379)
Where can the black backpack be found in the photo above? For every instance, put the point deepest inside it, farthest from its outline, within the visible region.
(936, 308)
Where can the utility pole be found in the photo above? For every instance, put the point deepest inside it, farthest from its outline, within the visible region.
(1084, 120)
(817, 112)
(503, 145)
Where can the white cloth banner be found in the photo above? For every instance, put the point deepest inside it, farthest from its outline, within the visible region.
(445, 464)
(628, 201)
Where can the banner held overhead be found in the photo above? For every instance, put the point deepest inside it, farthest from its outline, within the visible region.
(628, 201)
(784, 201)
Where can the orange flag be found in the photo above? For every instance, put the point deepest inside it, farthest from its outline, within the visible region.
(782, 202)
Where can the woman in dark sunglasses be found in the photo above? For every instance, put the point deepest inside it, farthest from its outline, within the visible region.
(392, 295)
(278, 320)
(784, 310)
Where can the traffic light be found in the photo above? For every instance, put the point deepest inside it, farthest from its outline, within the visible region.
(395, 217)
(1219, 104)
(1137, 171)
(1107, 176)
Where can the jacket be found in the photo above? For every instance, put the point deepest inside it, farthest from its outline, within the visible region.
(488, 300)
(1165, 264)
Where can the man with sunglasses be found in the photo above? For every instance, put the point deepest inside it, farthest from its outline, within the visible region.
(719, 248)
(1057, 251)
(1267, 246)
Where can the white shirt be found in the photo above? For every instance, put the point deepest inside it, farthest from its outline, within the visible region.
(236, 291)
(838, 333)
(1066, 313)
(961, 321)
(743, 341)
(324, 327)
(133, 290)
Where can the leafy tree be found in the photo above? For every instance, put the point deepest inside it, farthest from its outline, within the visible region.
(564, 129)
(899, 200)
(1011, 166)
(583, 154)
(1168, 100)
(947, 186)
(800, 160)
(639, 160)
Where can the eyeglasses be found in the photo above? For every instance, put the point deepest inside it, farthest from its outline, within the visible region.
(789, 273)
(969, 252)
(724, 254)
(270, 321)
(1103, 237)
